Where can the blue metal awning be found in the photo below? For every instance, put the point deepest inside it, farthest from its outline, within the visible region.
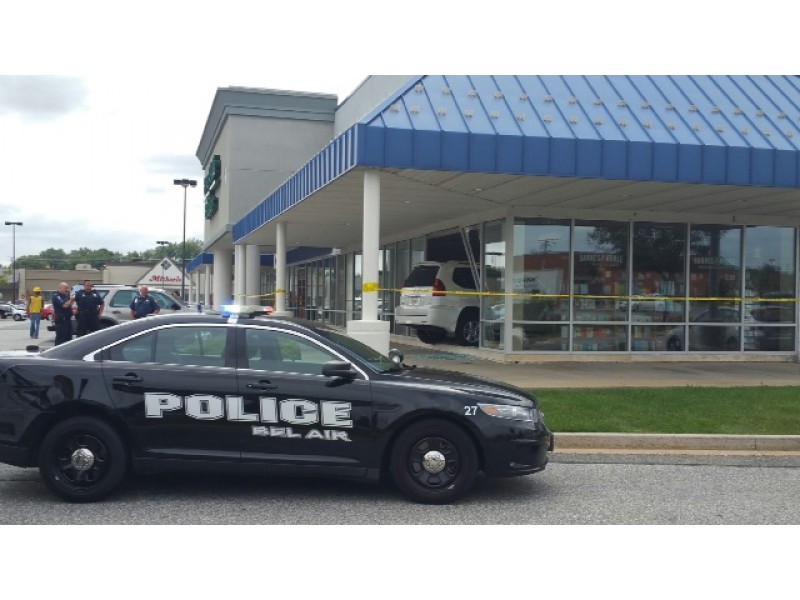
(727, 130)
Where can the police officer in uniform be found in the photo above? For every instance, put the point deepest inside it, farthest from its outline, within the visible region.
(62, 313)
(144, 304)
(90, 309)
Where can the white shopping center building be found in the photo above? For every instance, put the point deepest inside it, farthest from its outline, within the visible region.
(613, 216)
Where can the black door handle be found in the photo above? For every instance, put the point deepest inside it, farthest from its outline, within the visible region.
(262, 385)
(128, 378)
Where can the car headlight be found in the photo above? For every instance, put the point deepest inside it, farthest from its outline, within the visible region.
(503, 411)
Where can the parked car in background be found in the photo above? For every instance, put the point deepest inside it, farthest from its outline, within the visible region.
(15, 311)
(47, 312)
(5, 310)
(438, 300)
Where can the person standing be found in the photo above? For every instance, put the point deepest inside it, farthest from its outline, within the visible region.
(144, 304)
(62, 313)
(35, 306)
(90, 309)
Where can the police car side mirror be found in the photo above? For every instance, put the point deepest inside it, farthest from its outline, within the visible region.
(338, 368)
(396, 356)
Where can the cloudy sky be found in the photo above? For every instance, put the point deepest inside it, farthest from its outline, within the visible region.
(100, 109)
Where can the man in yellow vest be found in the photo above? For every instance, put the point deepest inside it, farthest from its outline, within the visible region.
(35, 306)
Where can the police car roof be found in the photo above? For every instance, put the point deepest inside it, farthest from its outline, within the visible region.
(79, 347)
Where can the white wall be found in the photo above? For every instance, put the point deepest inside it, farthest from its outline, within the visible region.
(374, 90)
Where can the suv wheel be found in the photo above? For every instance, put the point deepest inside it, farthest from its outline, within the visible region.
(430, 335)
(468, 330)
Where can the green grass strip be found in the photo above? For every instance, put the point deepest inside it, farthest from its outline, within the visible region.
(735, 410)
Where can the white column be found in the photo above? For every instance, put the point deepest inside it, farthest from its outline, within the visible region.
(239, 265)
(369, 329)
(222, 277)
(193, 289)
(207, 286)
(252, 279)
(280, 271)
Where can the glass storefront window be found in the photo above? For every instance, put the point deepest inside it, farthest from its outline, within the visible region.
(387, 295)
(658, 279)
(769, 290)
(540, 337)
(600, 338)
(541, 269)
(493, 275)
(402, 269)
(417, 250)
(657, 338)
(633, 287)
(600, 259)
(714, 273)
(357, 286)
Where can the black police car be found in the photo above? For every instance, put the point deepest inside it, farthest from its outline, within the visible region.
(257, 395)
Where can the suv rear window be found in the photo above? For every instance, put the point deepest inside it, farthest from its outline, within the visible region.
(422, 276)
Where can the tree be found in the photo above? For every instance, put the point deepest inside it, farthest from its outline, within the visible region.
(56, 258)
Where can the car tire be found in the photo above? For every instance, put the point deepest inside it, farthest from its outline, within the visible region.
(468, 330)
(18, 317)
(104, 460)
(452, 462)
(430, 335)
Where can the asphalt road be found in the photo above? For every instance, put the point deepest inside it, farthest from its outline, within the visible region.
(588, 490)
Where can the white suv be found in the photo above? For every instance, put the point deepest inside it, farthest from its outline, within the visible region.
(428, 304)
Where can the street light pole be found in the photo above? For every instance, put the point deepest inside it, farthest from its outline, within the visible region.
(14, 256)
(162, 243)
(185, 183)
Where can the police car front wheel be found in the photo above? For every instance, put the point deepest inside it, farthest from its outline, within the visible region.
(434, 462)
(82, 459)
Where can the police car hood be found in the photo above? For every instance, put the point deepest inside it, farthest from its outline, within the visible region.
(468, 384)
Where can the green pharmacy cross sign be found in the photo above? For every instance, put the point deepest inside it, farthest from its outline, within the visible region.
(211, 184)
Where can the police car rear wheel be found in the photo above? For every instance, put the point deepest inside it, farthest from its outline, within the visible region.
(434, 462)
(82, 459)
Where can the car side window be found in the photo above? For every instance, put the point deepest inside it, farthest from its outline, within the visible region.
(269, 350)
(137, 350)
(162, 300)
(123, 298)
(462, 277)
(197, 346)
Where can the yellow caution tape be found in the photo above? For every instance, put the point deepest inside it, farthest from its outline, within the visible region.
(375, 287)
(371, 286)
(635, 298)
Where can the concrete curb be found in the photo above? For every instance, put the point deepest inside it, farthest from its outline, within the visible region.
(676, 442)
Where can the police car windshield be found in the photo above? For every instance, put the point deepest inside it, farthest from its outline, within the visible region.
(375, 359)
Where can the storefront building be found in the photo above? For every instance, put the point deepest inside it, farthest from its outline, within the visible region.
(642, 216)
